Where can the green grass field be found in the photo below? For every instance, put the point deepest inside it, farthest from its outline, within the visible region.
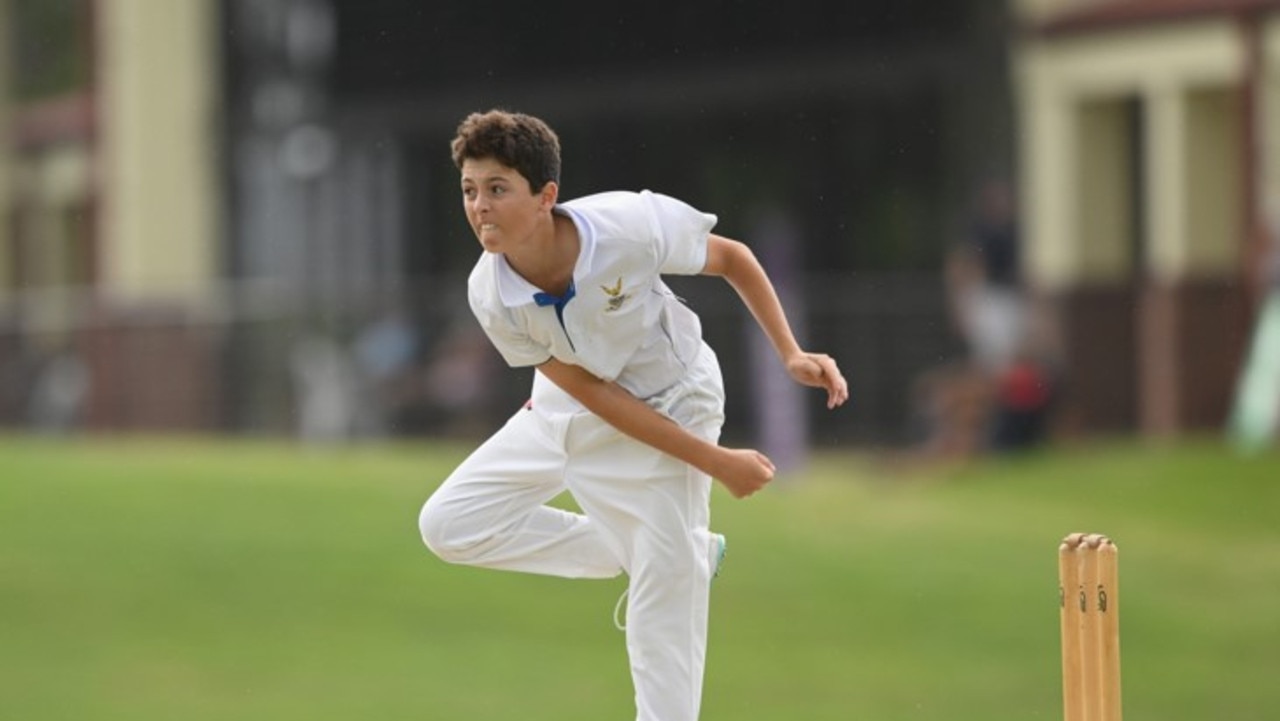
(247, 581)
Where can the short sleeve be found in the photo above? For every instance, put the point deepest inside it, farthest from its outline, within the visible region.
(517, 349)
(506, 335)
(681, 234)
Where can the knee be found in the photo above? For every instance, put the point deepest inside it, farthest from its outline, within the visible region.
(438, 534)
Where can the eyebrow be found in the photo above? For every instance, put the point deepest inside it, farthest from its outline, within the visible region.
(487, 179)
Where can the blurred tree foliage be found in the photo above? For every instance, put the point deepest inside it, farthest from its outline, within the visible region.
(51, 53)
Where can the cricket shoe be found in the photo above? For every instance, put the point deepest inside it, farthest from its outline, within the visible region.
(719, 548)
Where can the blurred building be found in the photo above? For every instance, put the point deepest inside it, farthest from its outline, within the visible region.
(1150, 162)
(110, 210)
(213, 205)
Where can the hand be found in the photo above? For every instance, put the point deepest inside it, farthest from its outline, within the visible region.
(742, 471)
(819, 370)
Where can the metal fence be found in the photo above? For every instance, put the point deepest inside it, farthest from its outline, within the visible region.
(409, 361)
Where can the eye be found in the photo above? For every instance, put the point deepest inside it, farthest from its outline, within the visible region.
(498, 190)
(468, 193)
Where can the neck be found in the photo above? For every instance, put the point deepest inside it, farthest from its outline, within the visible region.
(548, 260)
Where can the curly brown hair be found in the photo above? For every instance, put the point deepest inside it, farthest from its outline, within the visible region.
(521, 142)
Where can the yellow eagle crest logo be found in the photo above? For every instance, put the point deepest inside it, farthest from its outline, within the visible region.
(615, 296)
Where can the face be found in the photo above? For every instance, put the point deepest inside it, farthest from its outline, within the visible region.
(502, 210)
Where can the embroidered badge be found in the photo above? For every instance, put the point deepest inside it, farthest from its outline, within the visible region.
(616, 296)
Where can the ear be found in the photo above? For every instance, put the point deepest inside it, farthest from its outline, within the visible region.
(548, 195)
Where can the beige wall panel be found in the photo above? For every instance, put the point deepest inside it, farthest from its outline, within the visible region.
(1166, 186)
(1035, 10)
(1104, 185)
(158, 74)
(1119, 62)
(1269, 126)
(1048, 157)
(1193, 182)
(1214, 203)
(1181, 73)
(1076, 182)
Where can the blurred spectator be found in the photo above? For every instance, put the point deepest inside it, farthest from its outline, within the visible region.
(1027, 391)
(459, 381)
(387, 345)
(983, 282)
(1002, 395)
(14, 373)
(325, 389)
(384, 353)
(58, 396)
(950, 408)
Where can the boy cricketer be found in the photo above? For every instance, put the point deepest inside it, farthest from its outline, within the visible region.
(627, 401)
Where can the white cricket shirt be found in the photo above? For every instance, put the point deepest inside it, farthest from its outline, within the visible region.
(622, 322)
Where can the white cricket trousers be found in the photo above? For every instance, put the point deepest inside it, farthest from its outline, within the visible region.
(645, 513)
